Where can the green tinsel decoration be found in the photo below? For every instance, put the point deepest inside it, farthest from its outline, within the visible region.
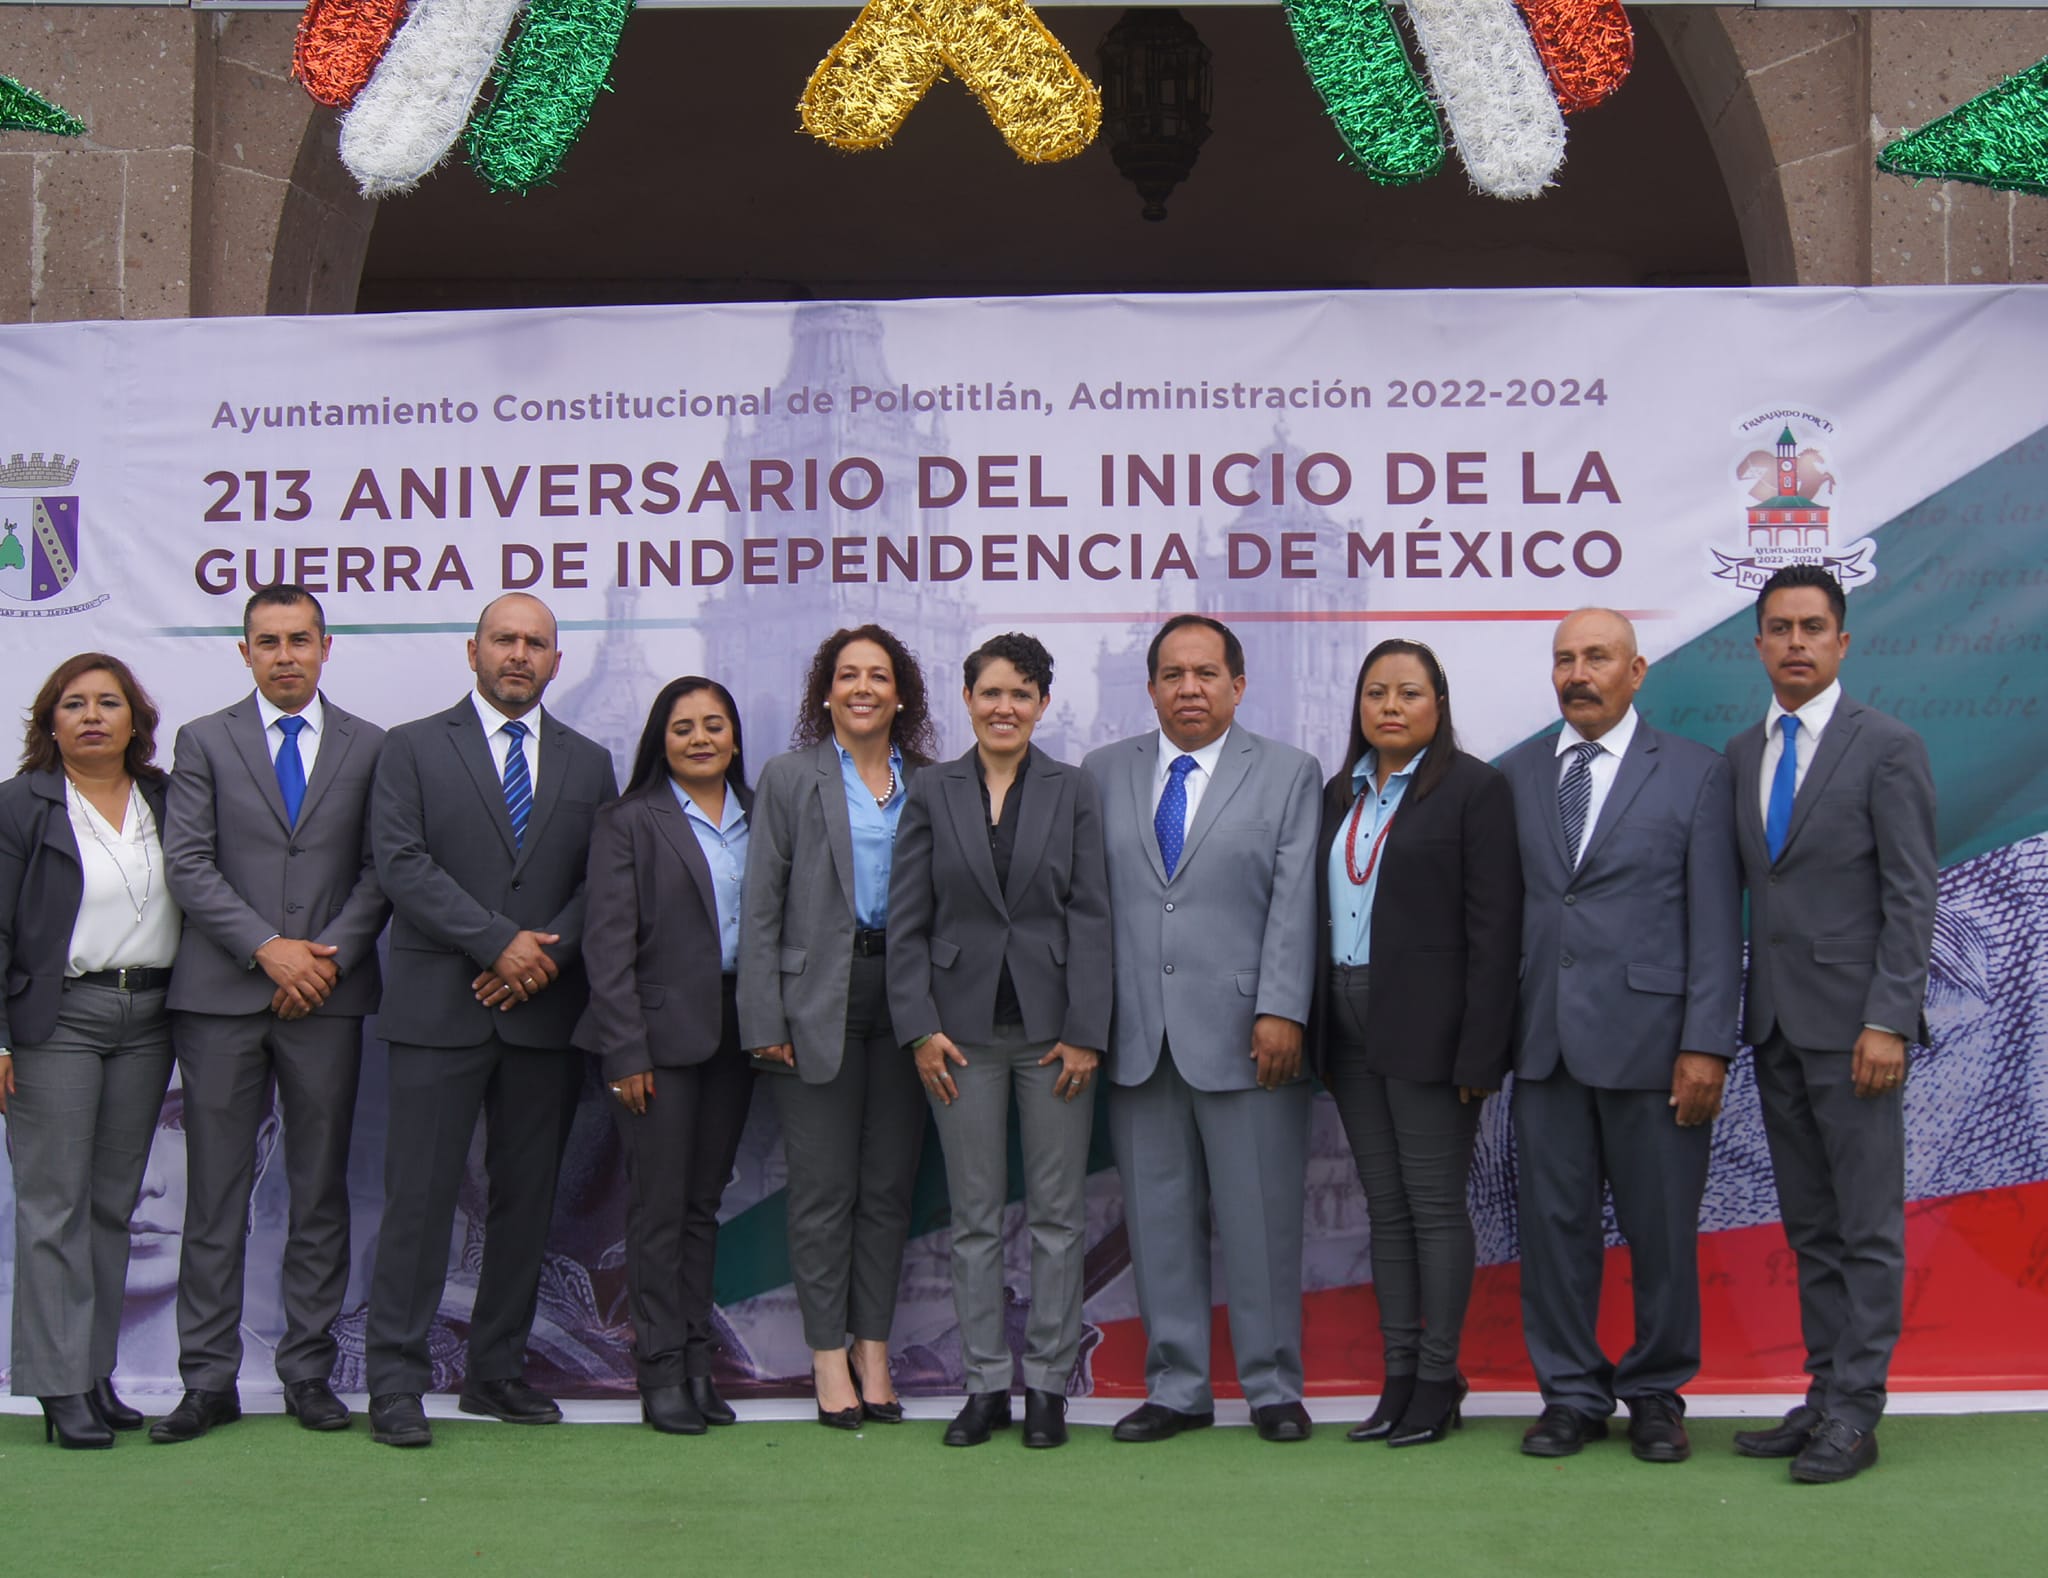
(1353, 52)
(548, 78)
(1998, 139)
(24, 109)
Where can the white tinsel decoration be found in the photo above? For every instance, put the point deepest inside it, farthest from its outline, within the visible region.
(417, 101)
(1494, 91)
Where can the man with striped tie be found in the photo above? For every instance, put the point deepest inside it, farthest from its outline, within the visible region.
(481, 821)
(1631, 974)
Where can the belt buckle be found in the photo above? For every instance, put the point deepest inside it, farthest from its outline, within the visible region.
(121, 979)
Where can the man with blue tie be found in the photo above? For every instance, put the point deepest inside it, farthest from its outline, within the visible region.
(1835, 814)
(266, 850)
(481, 819)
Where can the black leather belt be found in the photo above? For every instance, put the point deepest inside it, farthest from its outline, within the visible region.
(131, 978)
(869, 942)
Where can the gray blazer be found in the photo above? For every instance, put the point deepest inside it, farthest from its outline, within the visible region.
(1635, 955)
(242, 874)
(1841, 925)
(461, 889)
(1234, 934)
(951, 929)
(796, 917)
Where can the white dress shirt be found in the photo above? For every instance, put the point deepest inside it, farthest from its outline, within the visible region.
(500, 742)
(1613, 746)
(309, 736)
(126, 915)
(1813, 717)
(1198, 776)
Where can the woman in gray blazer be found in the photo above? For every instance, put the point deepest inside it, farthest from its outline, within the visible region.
(814, 1005)
(88, 930)
(999, 980)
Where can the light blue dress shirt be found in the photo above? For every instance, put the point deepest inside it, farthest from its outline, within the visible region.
(725, 851)
(1351, 902)
(874, 839)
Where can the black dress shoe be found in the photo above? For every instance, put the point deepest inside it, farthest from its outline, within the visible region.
(1656, 1429)
(73, 1422)
(840, 1418)
(1437, 1408)
(889, 1413)
(396, 1419)
(1394, 1394)
(196, 1413)
(1156, 1422)
(672, 1411)
(114, 1414)
(1838, 1451)
(513, 1401)
(314, 1405)
(982, 1413)
(1787, 1438)
(1045, 1418)
(715, 1409)
(1560, 1431)
(1282, 1422)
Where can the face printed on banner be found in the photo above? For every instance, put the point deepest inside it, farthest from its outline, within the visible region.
(863, 694)
(1397, 708)
(1800, 643)
(699, 740)
(1194, 693)
(1004, 708)
(513, 653)
(1596, 669)
(285, 649)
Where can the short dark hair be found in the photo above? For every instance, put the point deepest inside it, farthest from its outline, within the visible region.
(1805, 575)
(1233, 649)
(1026, 654)
(650, 757)
(282, 595)
(39, 746)
(911, 733)
(1443, 747)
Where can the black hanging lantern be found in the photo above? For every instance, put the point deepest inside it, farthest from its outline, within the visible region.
(1155, 100)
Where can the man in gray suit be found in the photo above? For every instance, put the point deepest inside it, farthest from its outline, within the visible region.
(1210, 834)
(1835, 814)
(481, 819)
(267, 851)
(1631, 968)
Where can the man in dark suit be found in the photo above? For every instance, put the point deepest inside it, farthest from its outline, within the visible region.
(1209, 831)
(1631, 969)
(1835, 815)
(481, 821)
(267, 851)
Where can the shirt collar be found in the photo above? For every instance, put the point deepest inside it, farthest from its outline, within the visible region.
(493, 720)
(981, 767)
(735, 813)
(1362, 770)
(846, 757)
(1814, 716)
(269, 711)
(1614, 741)
(1206, 758)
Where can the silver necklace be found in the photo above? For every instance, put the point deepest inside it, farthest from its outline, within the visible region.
(148, 865)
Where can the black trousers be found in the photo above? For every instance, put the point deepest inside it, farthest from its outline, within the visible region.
(679, 1156)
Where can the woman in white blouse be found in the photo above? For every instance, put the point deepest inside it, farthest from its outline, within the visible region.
(87, 935)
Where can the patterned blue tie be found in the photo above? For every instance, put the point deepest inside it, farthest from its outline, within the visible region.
(291, 768)
(518, 783)
(1170, 821)
(1784, 785)
(1575, 795)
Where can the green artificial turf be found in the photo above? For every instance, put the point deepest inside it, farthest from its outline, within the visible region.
(1962, 1496)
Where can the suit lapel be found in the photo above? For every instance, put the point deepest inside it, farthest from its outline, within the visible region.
(338, 734)
(1232, 768)
(970, 824)
(245, 728)
(1547, 777)
(466, 734)
(1032, 832)
(1144, 766)
(1835, 741)
(676, 832)
(1636, 767)
(1745, 762)
(838, 820)
(554, 759)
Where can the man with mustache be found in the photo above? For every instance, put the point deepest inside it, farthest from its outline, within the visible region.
(266, 850)
(481, 822)
(1631, 972)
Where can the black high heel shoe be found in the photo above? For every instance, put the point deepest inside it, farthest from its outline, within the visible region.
(114, 1414)
(72, 1422)
(1436, 1409)
(1394, 1394)
(881, 1413)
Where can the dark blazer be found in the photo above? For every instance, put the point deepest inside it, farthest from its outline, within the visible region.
(1842, 923)
(1635, 954)
(951, 928)
(42, 883)
(1446, 931)
(460, 888)
(243, 874)
(650, 937)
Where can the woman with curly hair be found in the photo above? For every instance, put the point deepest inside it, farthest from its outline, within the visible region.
(814, 1005)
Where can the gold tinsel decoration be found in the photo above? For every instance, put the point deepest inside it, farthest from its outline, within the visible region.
(1040, 101)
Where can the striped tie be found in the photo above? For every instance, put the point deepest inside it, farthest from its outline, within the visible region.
(1575, 795)
(518, 783)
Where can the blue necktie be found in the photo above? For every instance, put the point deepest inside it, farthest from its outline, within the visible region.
(1784, 785)
(1575, 795)
(291, 768)
(1170, 821)
(518, 783)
